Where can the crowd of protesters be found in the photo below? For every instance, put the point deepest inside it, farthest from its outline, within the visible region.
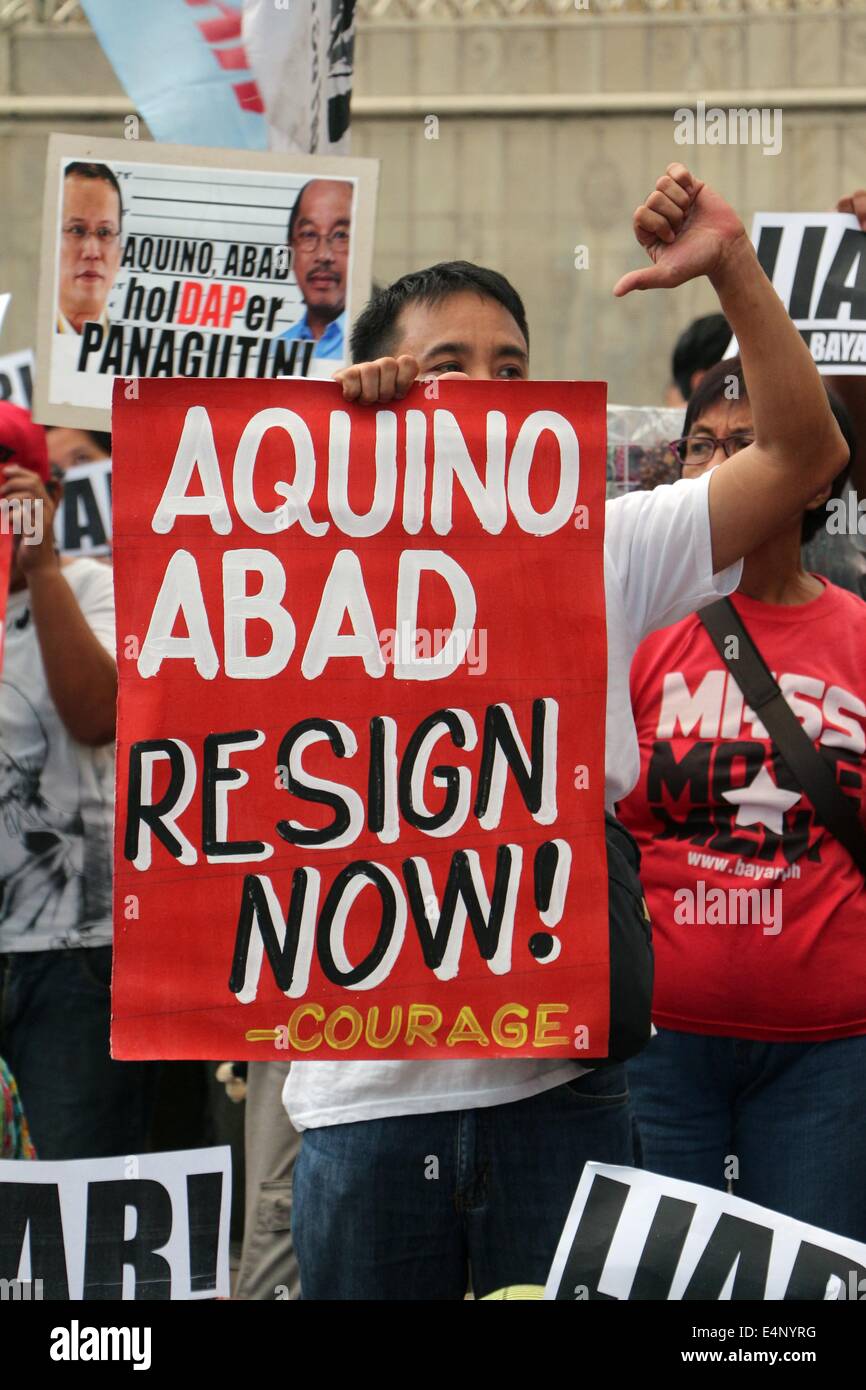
(755, 1080)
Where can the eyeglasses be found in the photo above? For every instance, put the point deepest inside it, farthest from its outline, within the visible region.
(76, 231)
(696, 450)
(310, 241)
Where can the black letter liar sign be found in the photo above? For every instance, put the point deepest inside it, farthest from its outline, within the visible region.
(634, 1235)
(149, 1226)
(817, 263)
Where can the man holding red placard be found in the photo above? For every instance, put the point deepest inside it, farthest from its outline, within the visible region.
(415, 1174)
(409, 1172)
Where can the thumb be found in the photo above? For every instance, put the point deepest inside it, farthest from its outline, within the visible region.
(650, 278)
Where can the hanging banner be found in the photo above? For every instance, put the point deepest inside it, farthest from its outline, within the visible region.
(144, 1226)
(184, 67)
(361, 722)
(817, 263)
(636, 1235)
(163, 261)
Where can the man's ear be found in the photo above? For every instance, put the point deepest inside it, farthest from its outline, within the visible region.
(820, 500)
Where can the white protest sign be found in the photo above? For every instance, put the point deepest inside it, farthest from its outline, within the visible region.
(164, 260)
(635, 1235)
(16, 378)
(82, 522)
(4, 305)
(817, 263)
(149, 1226)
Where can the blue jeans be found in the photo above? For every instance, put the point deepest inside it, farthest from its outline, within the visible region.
(412, 1207)
(786, 1122)
(55, 1010)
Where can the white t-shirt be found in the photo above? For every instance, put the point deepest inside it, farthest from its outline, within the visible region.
(657, 569)
(56, 795)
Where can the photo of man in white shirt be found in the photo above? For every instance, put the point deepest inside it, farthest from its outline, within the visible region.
(90, 229)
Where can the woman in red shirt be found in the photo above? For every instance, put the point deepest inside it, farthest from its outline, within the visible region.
(757, 1076)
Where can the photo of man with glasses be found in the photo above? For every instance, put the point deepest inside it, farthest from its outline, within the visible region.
(318, 237)
(91, 224)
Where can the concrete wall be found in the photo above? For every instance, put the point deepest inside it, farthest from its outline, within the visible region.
(520, 186)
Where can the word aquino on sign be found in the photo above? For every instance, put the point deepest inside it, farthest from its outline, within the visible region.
(504, 488)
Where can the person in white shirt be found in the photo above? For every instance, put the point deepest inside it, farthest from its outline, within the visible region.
(416, 1178)
(58, 695)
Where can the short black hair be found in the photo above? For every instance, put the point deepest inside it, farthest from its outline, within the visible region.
(101, 438)
(82, 170)
(373, 333)
(717, 385)
(296, 209)
(698, 347)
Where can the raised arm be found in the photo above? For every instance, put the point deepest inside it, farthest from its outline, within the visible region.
(688, 230)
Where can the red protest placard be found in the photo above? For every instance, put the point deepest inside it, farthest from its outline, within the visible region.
(360, 764)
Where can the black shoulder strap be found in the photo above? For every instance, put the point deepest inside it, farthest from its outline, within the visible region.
(834, 809)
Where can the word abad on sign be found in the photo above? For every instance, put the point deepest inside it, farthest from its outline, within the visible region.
(817, 263)
(635, 1235)
(268, 550)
